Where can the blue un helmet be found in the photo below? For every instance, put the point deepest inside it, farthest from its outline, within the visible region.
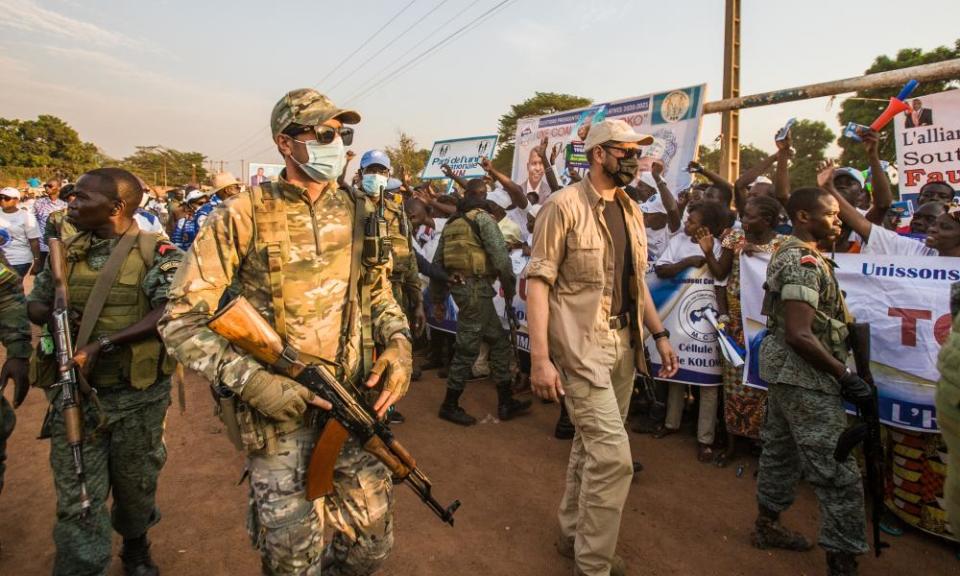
(371, 157)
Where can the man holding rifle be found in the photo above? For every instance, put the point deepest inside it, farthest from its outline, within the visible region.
(803, 357)
(104, 289)
(307, 256)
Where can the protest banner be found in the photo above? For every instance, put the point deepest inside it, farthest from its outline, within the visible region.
(928, 142)
(462, 155)
(907, 304)
(672, 118)
(260, 173)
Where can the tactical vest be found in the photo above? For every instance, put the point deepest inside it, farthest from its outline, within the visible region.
(139, 364)
(463, 251)
(399, 230)
(830, 329)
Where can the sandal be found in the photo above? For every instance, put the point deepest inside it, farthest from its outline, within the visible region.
(705, 453)
(662, 431)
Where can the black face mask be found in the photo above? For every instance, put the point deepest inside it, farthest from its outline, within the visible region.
(627, 169)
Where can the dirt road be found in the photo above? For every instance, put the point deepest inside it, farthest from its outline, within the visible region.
(682, 517)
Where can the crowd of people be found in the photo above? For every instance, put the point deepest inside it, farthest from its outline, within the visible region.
(356, 269)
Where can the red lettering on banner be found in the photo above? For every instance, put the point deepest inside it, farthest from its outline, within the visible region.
(908, 326)
(941, 328)
(913, 176)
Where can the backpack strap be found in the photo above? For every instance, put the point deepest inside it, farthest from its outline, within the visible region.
(270, 233)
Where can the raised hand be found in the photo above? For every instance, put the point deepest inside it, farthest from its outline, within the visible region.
(705, 239)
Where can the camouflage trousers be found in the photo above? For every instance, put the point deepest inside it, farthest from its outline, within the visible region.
(799, 436)
(122, 459)
(289, 530)
(477, 321)
(8, 421)
(948, 418)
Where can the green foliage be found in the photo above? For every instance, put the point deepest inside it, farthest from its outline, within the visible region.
(750, 156)
(540, 104)
(161, 166)
(810, 141)
(46, 143)
(406, 157)
(866, 105)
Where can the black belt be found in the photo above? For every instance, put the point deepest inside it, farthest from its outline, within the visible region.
(620, 321)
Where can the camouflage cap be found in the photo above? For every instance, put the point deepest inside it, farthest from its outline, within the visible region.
(308, 107)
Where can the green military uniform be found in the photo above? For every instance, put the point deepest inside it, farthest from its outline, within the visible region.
(805, 414)
(15, 336)
(123, 449)
(405, 279)
(294, 259)
(58, 226)
(472, 248)
(948, 410)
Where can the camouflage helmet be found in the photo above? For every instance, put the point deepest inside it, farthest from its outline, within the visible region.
(308, 107)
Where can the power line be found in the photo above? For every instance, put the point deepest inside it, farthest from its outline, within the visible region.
(472, 24)
(249, 140)
(425, 37)
(387, 45)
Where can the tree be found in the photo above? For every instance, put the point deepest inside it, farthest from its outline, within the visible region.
(750, 156)
(866, 105)
(810, 141)
(158, 165)
(541, 103)
(406, 156)
(47, 142)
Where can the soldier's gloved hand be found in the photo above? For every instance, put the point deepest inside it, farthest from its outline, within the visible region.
(16, 369)
(397, 362)
(858, 391)
(279, 397)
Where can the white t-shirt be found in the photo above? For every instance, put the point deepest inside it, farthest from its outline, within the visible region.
(147, 225)
(681, 247)
(889, 243)
(519, 215)
(22, 226)
(657, 241)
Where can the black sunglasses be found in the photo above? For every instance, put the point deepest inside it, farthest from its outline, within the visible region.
(627, 153)
(6, 198)
(324, 134)
(48, 185)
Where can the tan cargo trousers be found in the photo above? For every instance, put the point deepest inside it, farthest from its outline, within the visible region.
(600, 469)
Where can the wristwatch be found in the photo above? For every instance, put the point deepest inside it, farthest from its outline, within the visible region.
(662, 334)
(106, 345)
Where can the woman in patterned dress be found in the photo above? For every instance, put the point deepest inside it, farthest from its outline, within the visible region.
(743, 406)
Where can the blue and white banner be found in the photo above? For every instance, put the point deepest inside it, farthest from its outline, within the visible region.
(905, 300)
(462, 155)
(671, 117)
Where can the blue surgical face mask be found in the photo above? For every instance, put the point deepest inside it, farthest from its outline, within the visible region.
(373, 183)
(324, 161)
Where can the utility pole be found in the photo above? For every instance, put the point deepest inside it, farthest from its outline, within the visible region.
(730, 119)
(243, 175)
(193, 170)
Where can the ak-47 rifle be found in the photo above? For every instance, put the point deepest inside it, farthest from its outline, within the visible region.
(521, 382)
(241, 324)
(866, 432)
(67, 378)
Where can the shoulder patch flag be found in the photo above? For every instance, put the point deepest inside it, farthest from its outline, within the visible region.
(808, 260)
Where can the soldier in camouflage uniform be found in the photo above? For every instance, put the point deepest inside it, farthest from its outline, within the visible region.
(295, 249)
(375, 169)
(473, 253)
(803, 360)
(15, 336)
(948, 410)
(124, 361)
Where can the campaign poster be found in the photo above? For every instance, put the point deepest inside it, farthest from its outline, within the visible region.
(928, 142)
(905, 300)
(462, 155)
(671, 117)
(260, 173)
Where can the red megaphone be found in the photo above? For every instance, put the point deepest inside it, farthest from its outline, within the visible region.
(895, 107)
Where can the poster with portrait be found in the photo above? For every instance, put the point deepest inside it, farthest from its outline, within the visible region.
(928, 142)
(671, 117)
(260, 173)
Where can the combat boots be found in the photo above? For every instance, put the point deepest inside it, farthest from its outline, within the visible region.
(509, 407)
(451, 411)
(565, 548)
(842, 564)
(769, 533)
(136, 557)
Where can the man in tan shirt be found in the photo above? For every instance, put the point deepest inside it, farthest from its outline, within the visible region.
(586, 304)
